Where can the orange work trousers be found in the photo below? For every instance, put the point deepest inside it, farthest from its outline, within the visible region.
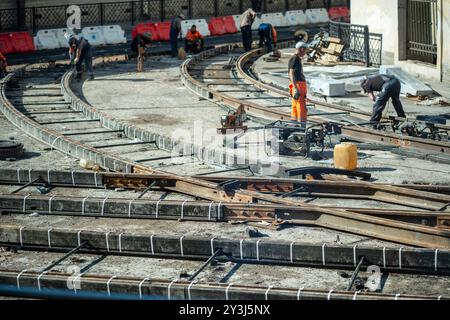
(299, 111)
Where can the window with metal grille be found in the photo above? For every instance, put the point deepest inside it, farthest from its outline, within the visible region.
(422, 26)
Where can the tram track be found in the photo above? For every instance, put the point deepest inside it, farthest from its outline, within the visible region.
(52, 133)
(266, 101)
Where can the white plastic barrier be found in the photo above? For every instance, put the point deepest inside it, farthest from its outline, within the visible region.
(275, 19)
(280, 20)
(63, 42)
(114, 34)
(201, 24)
(256, 23)
(237, 21)
(47, 39)
(296, 17)
(322, 13)
(315, 16)
(94, 35)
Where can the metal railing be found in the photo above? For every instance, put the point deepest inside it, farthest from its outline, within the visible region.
(422, 25)
(130, 12)
(359, 43)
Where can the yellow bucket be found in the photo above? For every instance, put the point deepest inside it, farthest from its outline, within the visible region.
(346, 156)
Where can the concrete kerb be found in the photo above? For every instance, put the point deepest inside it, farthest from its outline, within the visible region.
(50, 137)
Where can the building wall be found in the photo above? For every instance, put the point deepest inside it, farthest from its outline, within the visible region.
(445, 41)
(382, 17)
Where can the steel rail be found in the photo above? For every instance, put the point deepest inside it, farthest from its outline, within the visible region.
(334, 219)
(203, 89)
(197, 210)
(61, 178)
(274, 252)
(110, 286)
(351, 131)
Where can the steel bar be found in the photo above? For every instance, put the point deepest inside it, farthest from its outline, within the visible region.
(124, 144)
(64, 257)
(317, 171)
(225, 170)
(204, 265)
(182, 289)
(329, 255)
(27, 185)
(146, 190)
(89, 133)
(164, 158)
(68, 121)
(354, 274)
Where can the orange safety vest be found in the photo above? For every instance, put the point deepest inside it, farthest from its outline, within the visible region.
(192, 36)
(274, 35)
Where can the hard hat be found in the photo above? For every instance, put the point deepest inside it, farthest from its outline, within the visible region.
(301, 44)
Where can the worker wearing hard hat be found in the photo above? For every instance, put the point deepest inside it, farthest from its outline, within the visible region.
(297, 87)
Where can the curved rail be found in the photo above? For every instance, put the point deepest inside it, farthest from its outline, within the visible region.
(337, 219)
(205, 90)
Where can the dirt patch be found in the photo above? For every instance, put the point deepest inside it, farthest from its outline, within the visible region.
(143, 118)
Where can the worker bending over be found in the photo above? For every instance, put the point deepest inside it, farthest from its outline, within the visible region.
(389, 87)
(247, 19)
(3, 65)
(80, 51)
(297, 87)
(138, 45)
(175, 30)
(194, 41)
(267, 36)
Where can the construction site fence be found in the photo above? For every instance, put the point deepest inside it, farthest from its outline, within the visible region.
(131, 12)
(359, 43)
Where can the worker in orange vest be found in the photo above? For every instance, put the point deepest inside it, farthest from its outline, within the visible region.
(297, 87)
(194, 40)
(3, 64)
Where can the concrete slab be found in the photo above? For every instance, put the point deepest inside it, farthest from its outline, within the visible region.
(410, 84)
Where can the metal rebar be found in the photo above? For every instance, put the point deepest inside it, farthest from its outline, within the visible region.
(27, 185)
(204, 265)
(355, 273)
(64, 257)
(146, 190)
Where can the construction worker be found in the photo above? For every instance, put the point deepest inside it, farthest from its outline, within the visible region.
(175, 30)
(3, 64)
(247, 19)
(389, 87)
(80, 51)
(194, 41)
(138, 45)
(297, 87)
(267, 36)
